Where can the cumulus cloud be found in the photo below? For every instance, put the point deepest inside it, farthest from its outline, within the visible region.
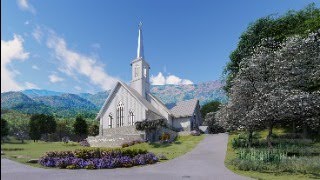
(73, 63)
(11, 50)
(35, 67)
(160, 79)
(37, 34)
(54, 78)
(26, 6)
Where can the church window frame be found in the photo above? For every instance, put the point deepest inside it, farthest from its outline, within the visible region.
(120, 114)
(131, 118)
(110, 118)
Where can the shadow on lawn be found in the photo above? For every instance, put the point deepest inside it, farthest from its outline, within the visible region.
(163, 145)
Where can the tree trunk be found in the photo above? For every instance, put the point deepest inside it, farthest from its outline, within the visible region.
(250, 138)
(294, 130)
(304, 131)
(269, 136)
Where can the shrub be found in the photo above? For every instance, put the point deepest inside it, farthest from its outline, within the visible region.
(131, 143)
(164, 137)
(98, 158)
(125, 145)
(195, 133)
(84, 143)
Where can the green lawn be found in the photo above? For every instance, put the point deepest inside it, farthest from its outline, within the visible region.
(182, 145)
(231, 154)
(34, 150)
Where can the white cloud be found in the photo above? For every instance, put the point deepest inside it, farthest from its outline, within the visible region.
(73, 63)
(30, 85)
(78, 88)
(24, 5)
(37, 34)
(11, 50)
(160, 79)
(26, 22)
(54, 78)
(35, 67)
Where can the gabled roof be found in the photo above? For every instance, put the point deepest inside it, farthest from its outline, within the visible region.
(160, 102)
(134, 93)
(184, 108)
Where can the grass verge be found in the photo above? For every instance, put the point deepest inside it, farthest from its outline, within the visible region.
(232, 154)
(34, 150)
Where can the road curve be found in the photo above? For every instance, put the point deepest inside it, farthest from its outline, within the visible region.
(205, 161)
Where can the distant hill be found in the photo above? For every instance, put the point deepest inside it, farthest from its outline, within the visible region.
(65, 105)
(40, 92)
(21, 102)
(97, 99)
(205, 92)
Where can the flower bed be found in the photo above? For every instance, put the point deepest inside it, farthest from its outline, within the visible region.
(97, 158)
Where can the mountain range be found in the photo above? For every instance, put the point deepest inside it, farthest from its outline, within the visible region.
(65, 104)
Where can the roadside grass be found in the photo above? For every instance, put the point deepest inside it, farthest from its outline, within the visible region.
(232, 154)
(34, 150)
(182, 145)
(19, 152)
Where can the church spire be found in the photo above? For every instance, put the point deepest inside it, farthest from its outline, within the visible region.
(140, 53)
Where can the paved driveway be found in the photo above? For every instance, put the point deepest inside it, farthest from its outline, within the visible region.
(206, 162)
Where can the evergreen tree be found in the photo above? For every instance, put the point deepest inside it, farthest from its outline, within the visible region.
(4, 128)
(80, 127)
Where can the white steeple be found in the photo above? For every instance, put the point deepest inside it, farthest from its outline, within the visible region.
(140, 69)
(140, 53)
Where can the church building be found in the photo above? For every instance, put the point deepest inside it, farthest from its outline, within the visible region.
(128, 104)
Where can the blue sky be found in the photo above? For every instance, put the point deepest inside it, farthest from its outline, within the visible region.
(85, 46)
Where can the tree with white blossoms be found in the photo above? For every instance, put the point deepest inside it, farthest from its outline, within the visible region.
(298, 71)
(276, 85)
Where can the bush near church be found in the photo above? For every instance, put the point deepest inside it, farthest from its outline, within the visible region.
(98, 158)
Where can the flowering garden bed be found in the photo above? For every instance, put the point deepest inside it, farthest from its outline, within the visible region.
(97, 158)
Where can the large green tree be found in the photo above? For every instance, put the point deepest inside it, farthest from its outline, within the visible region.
(212, 106)
(80, 127)
(41, 124)
(279, 28)
(4, 128)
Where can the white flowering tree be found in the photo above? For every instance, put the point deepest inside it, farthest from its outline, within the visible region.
(274, 86)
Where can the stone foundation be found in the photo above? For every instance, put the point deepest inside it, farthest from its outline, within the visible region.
(115, 137)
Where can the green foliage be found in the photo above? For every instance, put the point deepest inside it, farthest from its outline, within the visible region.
(213, 126)
(41, 124)
(98, 152)
(290, 154)
(164, 137)
(292, 23)
(150, 125)
(93, 130)
(212, 106)
(34, 128)
(275, 161)
(4, 128)
(80, 126)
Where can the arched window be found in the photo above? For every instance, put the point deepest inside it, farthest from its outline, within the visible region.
(120, 114)
(110, 120)
(131, 118)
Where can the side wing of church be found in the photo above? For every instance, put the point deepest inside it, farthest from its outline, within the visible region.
(128, 104)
